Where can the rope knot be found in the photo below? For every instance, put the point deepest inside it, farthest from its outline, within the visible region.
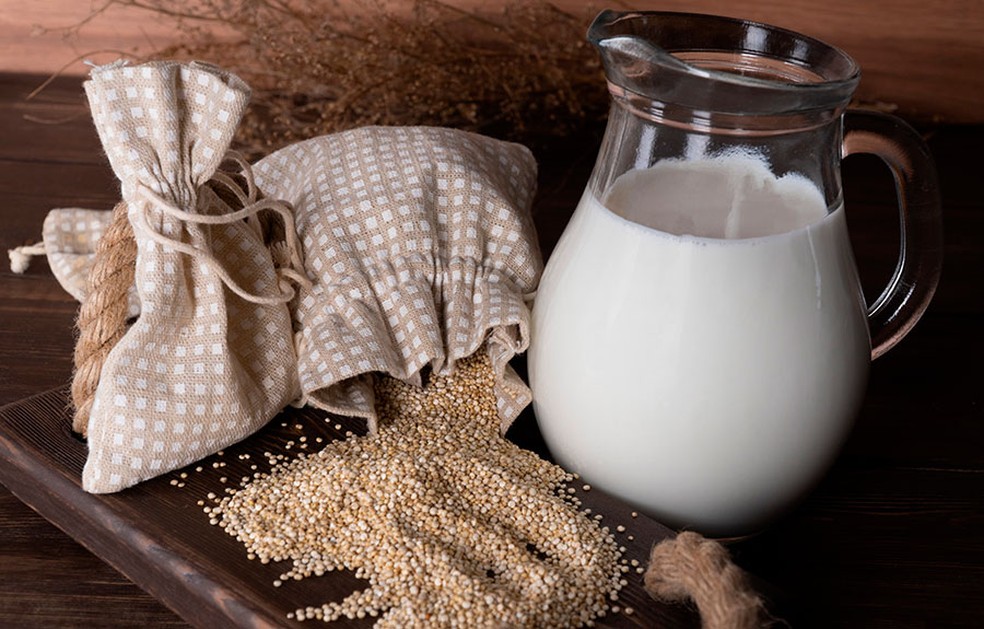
(20, 257)
(222, 192)
(692, 566)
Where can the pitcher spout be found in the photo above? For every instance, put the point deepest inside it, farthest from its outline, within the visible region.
(629, 54)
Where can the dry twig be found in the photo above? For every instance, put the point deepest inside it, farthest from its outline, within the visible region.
(525, 73)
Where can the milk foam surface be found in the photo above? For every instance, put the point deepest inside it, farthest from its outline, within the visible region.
(700, 345)
(730, 197)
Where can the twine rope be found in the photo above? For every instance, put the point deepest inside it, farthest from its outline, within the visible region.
(692, 566)
(142, 224)
(291, 271)
(102, 316)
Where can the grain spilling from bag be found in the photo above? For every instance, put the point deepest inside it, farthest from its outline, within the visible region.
(450, 524)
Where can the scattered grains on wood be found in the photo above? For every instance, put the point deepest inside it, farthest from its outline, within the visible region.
(450, 524)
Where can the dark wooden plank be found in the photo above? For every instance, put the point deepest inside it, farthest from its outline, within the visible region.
(49, 185)
(923, 406)
(879, 549)
(157, 535)
(55, 123)
(37, 337)
(49, 581)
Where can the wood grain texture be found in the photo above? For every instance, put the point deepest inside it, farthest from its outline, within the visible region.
(925, 57)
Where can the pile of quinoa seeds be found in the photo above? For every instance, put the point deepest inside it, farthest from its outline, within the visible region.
(451, 524)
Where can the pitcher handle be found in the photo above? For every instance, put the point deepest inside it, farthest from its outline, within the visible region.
(917, 272)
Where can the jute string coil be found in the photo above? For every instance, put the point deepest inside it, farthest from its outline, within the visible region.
(694, 567)
(102, 316)
(687, 567)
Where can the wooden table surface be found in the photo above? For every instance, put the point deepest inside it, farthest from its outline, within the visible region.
(893, 537)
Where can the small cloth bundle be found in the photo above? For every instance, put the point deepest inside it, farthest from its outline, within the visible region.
(208, 361)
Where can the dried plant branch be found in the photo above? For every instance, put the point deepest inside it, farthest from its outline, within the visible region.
(76, 59)
(523, 73)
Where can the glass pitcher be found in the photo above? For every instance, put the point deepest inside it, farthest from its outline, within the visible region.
(700, 341)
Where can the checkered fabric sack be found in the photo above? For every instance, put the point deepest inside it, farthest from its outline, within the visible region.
(210, 358)
(420, 245)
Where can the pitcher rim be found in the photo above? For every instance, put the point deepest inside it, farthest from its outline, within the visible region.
(838, 87)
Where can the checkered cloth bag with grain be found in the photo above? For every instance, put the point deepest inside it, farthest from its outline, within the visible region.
(421, 246)
(418, 250)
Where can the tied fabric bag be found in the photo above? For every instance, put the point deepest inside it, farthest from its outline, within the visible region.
(210, 358)
(419, 249)
(420, 245)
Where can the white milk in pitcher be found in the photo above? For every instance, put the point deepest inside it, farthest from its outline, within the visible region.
(699, 343)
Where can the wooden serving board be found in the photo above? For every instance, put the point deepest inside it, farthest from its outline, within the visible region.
(158, 536)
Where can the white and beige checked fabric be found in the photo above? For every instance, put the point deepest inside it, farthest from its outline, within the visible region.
(421, 246)
(201, 368)
(70, 236)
